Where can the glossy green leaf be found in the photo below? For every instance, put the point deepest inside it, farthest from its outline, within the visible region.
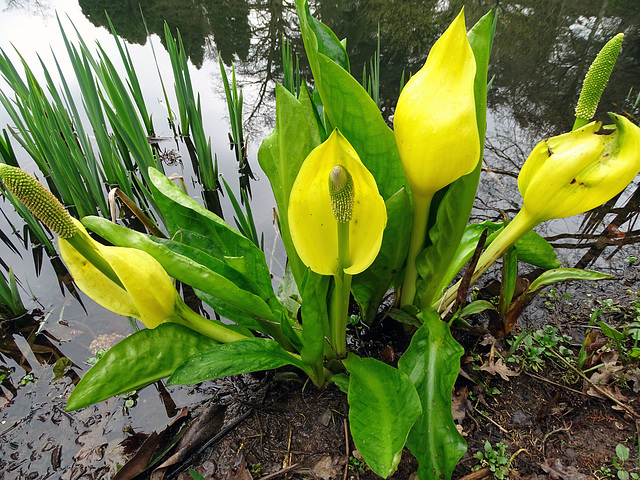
(190, 223)
(348, 107)
(140, 359)
(611, 332)
(564, 274)
(281, 154)
(508, 280)
(476, 306)
(288, 292)
(432, 362)
(191, 266)
(454, 208)
(535, 250)
(320, 37)
(243, 356)
(370, 286)
(315, 319)
(383, 406)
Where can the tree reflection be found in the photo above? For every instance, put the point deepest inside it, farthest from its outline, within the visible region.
(541, 53)
(225, 22)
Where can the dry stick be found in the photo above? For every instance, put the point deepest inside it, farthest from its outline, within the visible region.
(542, 379)
(492, 421)
(627, 408)
(279, 472)
(478, 474)
(346, 449)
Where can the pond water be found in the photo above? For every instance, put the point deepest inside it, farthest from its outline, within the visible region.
(541, 52)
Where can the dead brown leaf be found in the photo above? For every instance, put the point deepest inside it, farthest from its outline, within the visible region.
(328, 466)
(460, 403)
(634, 376)
(500, 368)
(557, 470)
(240, 471)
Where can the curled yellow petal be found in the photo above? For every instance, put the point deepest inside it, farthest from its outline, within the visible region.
(435, 119)
(313, 226)
(148, 292)
(579, 170)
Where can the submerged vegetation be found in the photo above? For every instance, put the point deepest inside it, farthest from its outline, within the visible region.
(374, 222)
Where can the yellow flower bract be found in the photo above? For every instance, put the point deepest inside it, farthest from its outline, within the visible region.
(314, 229)
(435, 120)
(149, 296)
(579, 170)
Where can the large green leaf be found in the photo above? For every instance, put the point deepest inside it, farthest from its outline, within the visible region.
(281, 154)
(243, 356)
(140, 359)
(370, 286)
(454, 209)
(349, 107)
(315, 320)
(190, 223)
(191, 266)
(383, 406)
(432, 362)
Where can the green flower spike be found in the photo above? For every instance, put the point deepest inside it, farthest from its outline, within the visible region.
(336, 218)
(595, 81)
(38, 200)
(48, 209)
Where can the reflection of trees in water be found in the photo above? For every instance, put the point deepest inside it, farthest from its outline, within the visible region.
(226, 22)
(541, 53)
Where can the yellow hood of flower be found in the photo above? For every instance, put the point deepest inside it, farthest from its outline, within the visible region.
(579, 170)
(314, 229)
(149, 296)
(435, 119)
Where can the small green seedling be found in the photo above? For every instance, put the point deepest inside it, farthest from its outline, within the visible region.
(622, 455)
(494, 458)
(99, 354)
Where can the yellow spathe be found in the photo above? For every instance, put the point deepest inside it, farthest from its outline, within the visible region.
(579, 170)
(313, 227)
(149, 294)
(435, 119)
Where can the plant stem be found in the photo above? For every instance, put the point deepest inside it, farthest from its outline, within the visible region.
(339, 306)
(520, 225)
(421, 205)
(187, 317)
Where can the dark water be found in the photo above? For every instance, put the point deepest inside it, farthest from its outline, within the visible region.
(541, 52)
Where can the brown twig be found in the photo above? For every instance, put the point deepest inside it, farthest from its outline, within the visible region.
(279, 472)
(542, 379)
(478, 474)
(502, 429)
(346, 449)
(627, 408)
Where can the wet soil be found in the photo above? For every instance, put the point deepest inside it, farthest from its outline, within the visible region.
(554, 422)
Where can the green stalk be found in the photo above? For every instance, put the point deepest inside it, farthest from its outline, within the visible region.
(339, 303)
(520, 225)
(421, 205)
(187, 317)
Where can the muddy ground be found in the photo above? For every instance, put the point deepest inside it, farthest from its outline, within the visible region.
(554, 422)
